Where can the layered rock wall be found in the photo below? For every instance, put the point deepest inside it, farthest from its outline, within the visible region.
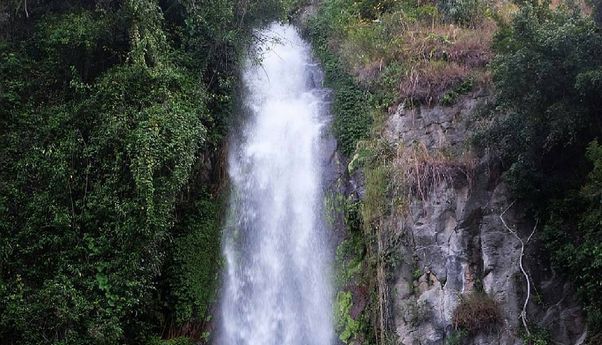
(455, 243)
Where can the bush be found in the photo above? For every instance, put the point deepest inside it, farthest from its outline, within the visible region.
(192, 265)
(476, 312)
(464, 12)
(538, 336)
(541, 135)
(109, 114)
(456, 337)
(572, 234)
(405, 51)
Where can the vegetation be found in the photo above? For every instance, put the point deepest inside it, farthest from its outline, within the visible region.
(109, 113)
(456, 337)
(347, 327)
(543, 63)
(538, 336)
(353, 119)
(476, 312)
(351, 321)
(378, 54)
(407, 52)
(113, 113)
(543, 127)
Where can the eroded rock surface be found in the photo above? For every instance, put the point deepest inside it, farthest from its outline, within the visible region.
(455, 243)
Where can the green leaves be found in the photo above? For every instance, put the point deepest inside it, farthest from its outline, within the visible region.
(351, 107)
(346, 326)
(573, 236)
(545, 75)
(111, 114)
(193, 262)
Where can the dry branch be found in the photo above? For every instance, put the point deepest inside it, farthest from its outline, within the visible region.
(523, 314)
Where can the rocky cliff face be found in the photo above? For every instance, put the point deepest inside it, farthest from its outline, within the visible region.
(448, 241)
(452, 242)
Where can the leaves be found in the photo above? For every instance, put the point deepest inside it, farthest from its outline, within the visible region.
(110, 117)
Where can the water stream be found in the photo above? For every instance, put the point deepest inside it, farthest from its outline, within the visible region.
(277, 281)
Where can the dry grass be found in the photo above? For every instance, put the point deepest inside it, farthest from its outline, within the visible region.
(447, 42)
(435, 56)
(442, 58)
(425, 82)
(477, 312)
(421, 169)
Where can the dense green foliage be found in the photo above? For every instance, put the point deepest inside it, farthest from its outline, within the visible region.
(353, 118)
(548, 78)
(111, 116)
(573, 234)
(347, 327)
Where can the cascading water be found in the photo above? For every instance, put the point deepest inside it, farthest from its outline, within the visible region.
(277, 286)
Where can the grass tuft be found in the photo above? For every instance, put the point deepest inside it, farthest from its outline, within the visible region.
(477, 312)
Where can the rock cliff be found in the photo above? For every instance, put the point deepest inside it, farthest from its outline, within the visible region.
(450, 242)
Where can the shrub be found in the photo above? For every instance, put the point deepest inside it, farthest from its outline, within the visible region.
(352, 117)
(547, 75)
(464, 12)
(191, 267)
(427, 55)
(538, 336)
(110, 114)
(456, 337)
(173, 341)
(572, 234)
(377, 188)
(476, 312)
(451, 96)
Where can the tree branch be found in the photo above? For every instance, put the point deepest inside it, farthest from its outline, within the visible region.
(523, 314)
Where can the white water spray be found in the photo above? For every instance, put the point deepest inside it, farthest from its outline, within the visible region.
(277, 281)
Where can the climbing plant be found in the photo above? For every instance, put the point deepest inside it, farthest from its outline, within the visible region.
(111, 119)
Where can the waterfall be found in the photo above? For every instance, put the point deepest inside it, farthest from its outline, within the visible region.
(277, 280)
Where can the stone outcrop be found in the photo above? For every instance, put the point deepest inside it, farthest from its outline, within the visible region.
(455, 243)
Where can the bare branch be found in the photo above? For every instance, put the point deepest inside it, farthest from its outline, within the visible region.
(523, 314)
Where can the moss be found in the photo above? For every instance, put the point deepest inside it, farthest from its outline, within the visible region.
(334, 205)
(375, 200)
(347, 327)
(349, 257)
